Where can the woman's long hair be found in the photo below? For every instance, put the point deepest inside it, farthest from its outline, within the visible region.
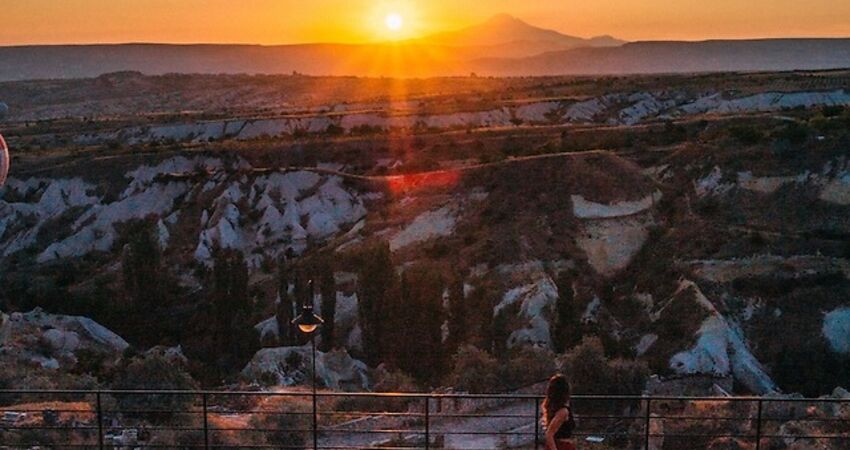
(557, 397)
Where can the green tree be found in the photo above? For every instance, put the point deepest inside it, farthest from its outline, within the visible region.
(327, 287)
(286, 306)
(459, 315)
(500, 333)
(153, 372)
(475, 371)
(811, 370)
(417, 337)
(141, 264)
(591, 372)
(479, 306)
(377, 288)
(230, 285)
(235, 338)
(302, 295)
(567, 328)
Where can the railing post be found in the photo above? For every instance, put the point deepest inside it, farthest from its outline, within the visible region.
(427, 422)
(536, 423)
(99, 421)
(758, 425)
(315, 398)
(206, 422)
(646, 423)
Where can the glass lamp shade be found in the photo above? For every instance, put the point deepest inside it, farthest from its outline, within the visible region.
(307, 321)
(307, 329)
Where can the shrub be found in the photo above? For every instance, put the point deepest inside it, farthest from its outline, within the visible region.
(794, 133)
(474, 371)
(385, 381)
(746, 135)
(591, 372)
(287, 428)
(153, 372)
(832, 110)
(527, 366)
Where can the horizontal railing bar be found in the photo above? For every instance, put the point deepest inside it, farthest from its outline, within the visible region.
(419, 395)
(45, 427)
(41, 410)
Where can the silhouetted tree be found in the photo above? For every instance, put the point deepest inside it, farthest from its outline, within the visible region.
(376, 288)
(417, 338)
(302, 295)
(235, 337)
(811, 370)
(286, 306)
(230, 284)
(459, 315)
(482, 301)
(143, 273)
(153, 372)
(567, 329)
(501, 333)
(327, 287)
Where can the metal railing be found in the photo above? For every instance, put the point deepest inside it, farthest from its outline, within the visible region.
(292, 420)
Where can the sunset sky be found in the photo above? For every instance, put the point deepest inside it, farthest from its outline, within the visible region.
(299, 21)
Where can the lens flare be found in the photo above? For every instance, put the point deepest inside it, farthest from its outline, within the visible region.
(4, 160)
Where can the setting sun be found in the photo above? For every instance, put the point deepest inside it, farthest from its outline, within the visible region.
(394, 21)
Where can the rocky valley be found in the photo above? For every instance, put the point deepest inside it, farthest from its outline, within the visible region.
(679, 224)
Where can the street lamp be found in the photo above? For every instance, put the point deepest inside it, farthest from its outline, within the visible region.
(308, 322)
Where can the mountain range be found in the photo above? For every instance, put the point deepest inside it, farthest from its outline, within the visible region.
(500, 46)
(506, 36)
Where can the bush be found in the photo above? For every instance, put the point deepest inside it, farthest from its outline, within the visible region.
(14, 376)
(475, 371)
(746, 135)
(591, 372)
(385, 381)
(527, 366)
(286, 428)
(794, 133)
(832, 110)
(153, 372)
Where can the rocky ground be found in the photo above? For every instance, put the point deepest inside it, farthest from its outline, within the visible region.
(707, 226)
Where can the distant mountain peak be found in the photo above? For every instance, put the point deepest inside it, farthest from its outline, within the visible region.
(503, 18)
(504, 29)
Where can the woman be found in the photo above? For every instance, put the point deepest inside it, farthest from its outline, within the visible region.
(557, 415)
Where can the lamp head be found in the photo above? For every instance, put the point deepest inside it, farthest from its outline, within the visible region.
(307, 321)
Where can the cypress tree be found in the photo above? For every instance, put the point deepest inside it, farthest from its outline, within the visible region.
(500, 334)
(327, 287)
(418, 336)
(459, 316)
(235, 337)
(141, 265)
(286, 307)
(376, 288)
(567, 328)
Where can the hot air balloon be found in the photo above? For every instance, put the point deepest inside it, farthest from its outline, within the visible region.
(4, 160)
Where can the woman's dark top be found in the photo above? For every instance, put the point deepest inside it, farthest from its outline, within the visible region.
(566, 430)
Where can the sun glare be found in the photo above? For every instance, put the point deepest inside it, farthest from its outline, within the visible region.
(394, 21)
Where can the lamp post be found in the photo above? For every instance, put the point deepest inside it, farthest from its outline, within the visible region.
(308, 322)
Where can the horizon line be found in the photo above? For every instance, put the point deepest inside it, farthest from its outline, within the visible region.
(409, 42)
